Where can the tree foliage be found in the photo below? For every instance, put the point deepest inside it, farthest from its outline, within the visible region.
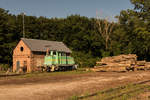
(134, 29)
(131, 34)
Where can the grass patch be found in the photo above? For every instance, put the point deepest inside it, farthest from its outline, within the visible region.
(120, 93)
(73, 98)
(42, 74)
(2, 72)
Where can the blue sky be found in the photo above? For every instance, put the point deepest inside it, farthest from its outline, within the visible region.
(64, 8)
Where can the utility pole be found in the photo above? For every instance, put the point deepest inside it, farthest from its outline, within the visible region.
(23, 28)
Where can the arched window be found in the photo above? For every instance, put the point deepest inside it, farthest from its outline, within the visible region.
(21, 48)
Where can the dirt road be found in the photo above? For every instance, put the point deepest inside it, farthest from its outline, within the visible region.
(62, 87)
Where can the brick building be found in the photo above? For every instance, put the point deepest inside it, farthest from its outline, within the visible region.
(29, 53)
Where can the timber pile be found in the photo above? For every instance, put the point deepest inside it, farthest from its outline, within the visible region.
(121, 63)
(142, 65)
(116, 63)
(120, 59)
(147, 65)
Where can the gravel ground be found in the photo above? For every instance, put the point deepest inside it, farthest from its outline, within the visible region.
(62, 87)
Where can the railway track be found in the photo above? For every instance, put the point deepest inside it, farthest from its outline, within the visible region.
(9, 75)
(139, 86)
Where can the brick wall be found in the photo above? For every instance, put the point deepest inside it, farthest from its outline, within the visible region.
(22, 54)
(38, 60)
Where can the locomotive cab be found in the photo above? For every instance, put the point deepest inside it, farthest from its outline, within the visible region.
(58, 61)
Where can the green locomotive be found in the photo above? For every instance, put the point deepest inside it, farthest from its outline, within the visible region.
(58, 61)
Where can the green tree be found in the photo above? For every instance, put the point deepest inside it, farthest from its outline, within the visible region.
(134, 29)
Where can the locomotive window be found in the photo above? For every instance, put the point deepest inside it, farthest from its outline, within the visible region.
(63, 54)
(68, 54)
(54, 53)
(21, 48)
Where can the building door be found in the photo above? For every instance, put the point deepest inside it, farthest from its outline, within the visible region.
(25, 66)
(18, 65)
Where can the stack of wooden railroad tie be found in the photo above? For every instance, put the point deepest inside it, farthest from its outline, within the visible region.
(121, 63)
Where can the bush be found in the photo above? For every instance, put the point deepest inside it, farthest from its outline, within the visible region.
(4, 67)
(84, 60)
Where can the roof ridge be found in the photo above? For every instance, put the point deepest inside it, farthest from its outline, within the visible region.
(40, 40)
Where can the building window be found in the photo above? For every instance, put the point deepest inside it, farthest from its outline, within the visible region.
(21, 48)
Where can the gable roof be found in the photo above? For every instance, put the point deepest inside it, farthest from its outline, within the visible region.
(43, 45)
